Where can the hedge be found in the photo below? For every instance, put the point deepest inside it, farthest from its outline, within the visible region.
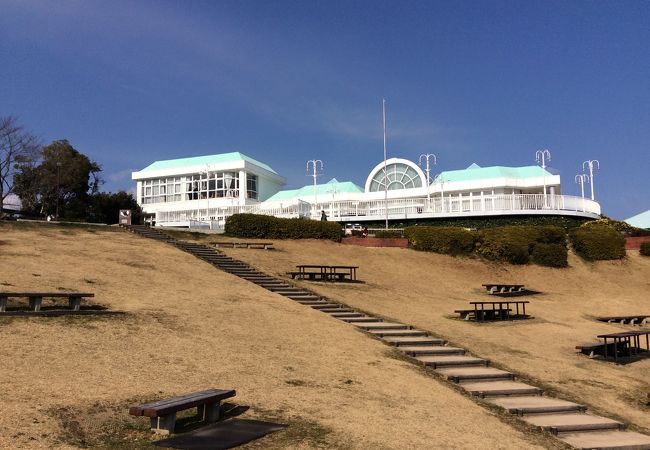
(551, 255)
(269, 227)
(516, 244)
(447, 240)
(645, 249)
(598, 241)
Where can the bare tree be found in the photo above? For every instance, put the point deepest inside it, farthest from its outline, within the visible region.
(17, 147)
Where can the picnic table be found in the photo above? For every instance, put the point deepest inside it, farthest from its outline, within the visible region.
(258, 245)
(497, 310)
(36, 298)
(163, 412)
(629, 341)
(325, 272)
(501, 288)
(641, 319)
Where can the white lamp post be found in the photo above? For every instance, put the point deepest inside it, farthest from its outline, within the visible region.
(427, 157)
(441, 180)
(581, 179)
(315, 163)
(590, 164)
(541, 156)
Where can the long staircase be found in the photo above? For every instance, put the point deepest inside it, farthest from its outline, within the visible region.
(569, 421)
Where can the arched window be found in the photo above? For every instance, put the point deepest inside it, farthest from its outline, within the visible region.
(398, 176)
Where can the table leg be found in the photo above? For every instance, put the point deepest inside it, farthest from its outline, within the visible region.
(74, 302)
(3, 304)
(35, 303)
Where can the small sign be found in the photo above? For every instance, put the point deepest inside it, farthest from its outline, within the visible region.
(125, 217)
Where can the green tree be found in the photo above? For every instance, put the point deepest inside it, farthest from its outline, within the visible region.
(61, 185)
(105, 207)
(17, 148)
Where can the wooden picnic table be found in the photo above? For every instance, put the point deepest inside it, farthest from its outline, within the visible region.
(500, 309)
(493, 288)
(325, 272)
(641, 319)
(258, 245)
(36, 298)
(629, 340)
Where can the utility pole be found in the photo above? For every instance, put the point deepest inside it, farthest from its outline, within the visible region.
(435, 161)
(541, 156)
(315, 173)
(581, 179)
(590, 164)
(383, 108)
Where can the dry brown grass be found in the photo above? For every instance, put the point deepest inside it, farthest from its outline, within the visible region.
(424, 289)
(67, 382)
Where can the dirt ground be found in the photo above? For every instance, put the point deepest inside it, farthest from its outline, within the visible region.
(423, 289)
(67, 382)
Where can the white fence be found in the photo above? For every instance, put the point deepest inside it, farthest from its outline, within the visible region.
(398, 209)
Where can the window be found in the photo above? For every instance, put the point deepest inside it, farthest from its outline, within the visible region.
(251, 186)
(398, 176)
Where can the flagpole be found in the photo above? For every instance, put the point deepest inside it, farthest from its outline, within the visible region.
(383, 104)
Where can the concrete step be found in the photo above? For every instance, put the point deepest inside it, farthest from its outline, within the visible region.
(420, 350)
(287, 290)
(338, 309)
(393, 333)
(571, 422)
(314, 301)
(378, 325)
(361, 319)
(434, 361)
(325, 306)
(400, 341)
(298, 298)
(342, 315)
(467, 374)
(619, 440)
(525, 405)
(500, 388)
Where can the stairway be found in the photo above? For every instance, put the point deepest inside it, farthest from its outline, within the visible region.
(569, 421)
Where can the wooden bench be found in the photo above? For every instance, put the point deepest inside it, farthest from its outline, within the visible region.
(36, 298)
(497, 288)
(640, 319)
(592, 349)
(483, 315)
(163, 412)
(256, 245)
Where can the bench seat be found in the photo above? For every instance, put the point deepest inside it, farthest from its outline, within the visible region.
(163, 412)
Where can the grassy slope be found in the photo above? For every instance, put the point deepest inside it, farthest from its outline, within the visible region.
(67, 382)
(424, 289)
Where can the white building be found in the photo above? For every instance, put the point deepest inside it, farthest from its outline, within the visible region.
(191, 189)
(205, 192)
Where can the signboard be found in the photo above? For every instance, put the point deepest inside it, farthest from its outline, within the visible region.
(125, 217)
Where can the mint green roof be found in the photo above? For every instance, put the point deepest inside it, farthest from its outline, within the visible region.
(203, 160)
(321, 189)
(640, 220)
(476, 172)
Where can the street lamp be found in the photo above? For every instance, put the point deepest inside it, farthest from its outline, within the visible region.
(581, 179)
(315, 163)
(439, 179)
(590, 164)
(427, 157)
(541, 156)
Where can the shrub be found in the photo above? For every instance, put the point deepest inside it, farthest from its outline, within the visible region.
(447, 240)
(551, 255)
(269, 227)
(388, 234)
(598, 241)
(515, 244)
(645, 249)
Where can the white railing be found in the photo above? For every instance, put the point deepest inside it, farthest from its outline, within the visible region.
(409, 208)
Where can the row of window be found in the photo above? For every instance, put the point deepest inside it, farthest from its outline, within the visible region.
(197, 186)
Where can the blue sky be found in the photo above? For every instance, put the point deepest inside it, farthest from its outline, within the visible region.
(287, 81)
